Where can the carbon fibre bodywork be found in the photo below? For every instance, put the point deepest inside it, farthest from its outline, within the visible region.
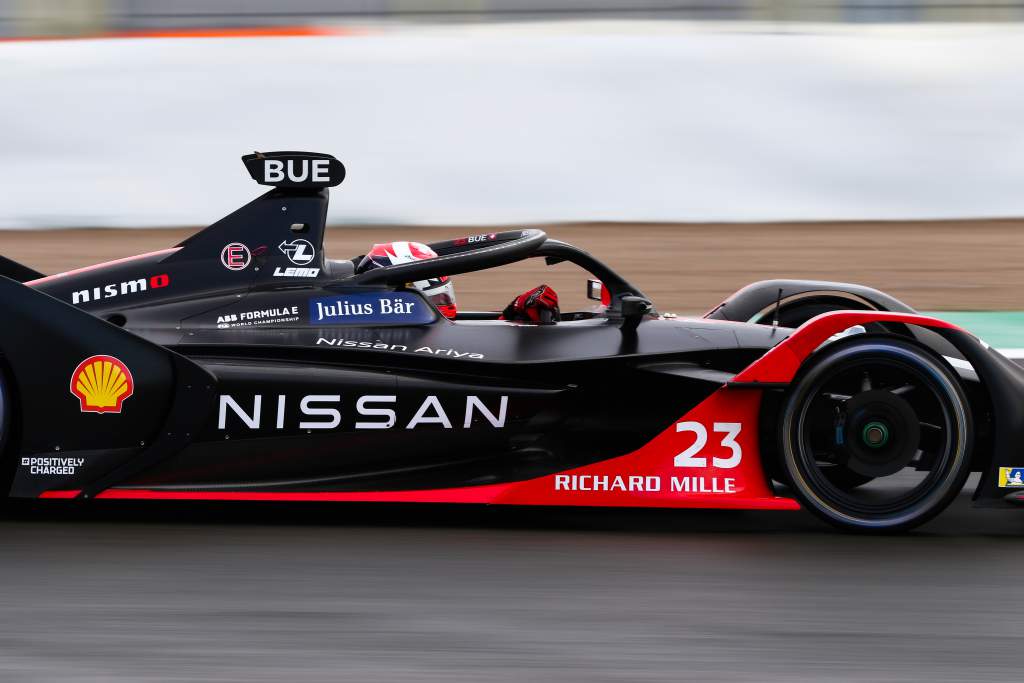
(259, 369)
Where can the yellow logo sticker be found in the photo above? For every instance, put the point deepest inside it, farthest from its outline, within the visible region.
(101, 384)
(1011, 477)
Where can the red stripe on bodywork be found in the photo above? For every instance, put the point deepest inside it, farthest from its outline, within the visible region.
(60, 493)
(649, 476)
(86, 269)
(781, 363)
(474, 494)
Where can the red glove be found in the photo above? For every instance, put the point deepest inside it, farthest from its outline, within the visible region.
(539, 305)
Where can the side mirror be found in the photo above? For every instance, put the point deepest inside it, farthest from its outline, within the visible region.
(634, 308)
(596, 291)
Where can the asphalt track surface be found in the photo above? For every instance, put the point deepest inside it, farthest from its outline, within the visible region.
(231, 592)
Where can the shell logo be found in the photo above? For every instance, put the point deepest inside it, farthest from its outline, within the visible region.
(101, 384)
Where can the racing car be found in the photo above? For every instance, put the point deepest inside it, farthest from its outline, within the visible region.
(242, 364)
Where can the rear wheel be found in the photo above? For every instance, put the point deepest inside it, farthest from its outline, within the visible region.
(884, 413)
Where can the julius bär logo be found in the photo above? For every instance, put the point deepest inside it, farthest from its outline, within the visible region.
(235, 256)
(101, 384)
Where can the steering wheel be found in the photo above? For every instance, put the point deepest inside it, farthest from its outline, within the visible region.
(463, 255)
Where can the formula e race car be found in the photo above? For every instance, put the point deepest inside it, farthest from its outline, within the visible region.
(244, 365)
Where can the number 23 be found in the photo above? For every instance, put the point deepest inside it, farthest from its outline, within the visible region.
(688, 458)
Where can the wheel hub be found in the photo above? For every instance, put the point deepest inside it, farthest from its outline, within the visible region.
(880, 433)
(875, 434)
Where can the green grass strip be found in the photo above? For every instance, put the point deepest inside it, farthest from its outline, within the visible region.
(1002, 329)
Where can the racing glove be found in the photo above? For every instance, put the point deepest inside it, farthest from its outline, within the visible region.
(539, 305)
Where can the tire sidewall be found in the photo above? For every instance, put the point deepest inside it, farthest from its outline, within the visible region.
(945, 490)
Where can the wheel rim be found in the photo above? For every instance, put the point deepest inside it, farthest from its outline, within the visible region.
(880, 413)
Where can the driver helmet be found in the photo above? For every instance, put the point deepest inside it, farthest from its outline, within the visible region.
(438, 290)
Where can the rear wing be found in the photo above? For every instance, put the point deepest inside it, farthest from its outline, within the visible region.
(277, 238)
(306, 170)
(273, 241)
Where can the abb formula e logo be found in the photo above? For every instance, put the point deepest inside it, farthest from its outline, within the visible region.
(266, 316)
(235, 256)
(102, 384)
(100, 292)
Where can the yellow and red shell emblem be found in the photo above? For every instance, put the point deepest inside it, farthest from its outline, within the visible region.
(101, 384)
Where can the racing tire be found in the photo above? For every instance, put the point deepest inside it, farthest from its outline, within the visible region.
(846, 480)
(835, 417)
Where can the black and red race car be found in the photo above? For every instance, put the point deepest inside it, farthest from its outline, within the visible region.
(242, 364)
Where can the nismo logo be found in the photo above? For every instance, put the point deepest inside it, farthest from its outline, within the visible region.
(100, 292)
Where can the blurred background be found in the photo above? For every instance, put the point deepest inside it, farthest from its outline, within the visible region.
(75, 17)
(666, 133)
(696, 146)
